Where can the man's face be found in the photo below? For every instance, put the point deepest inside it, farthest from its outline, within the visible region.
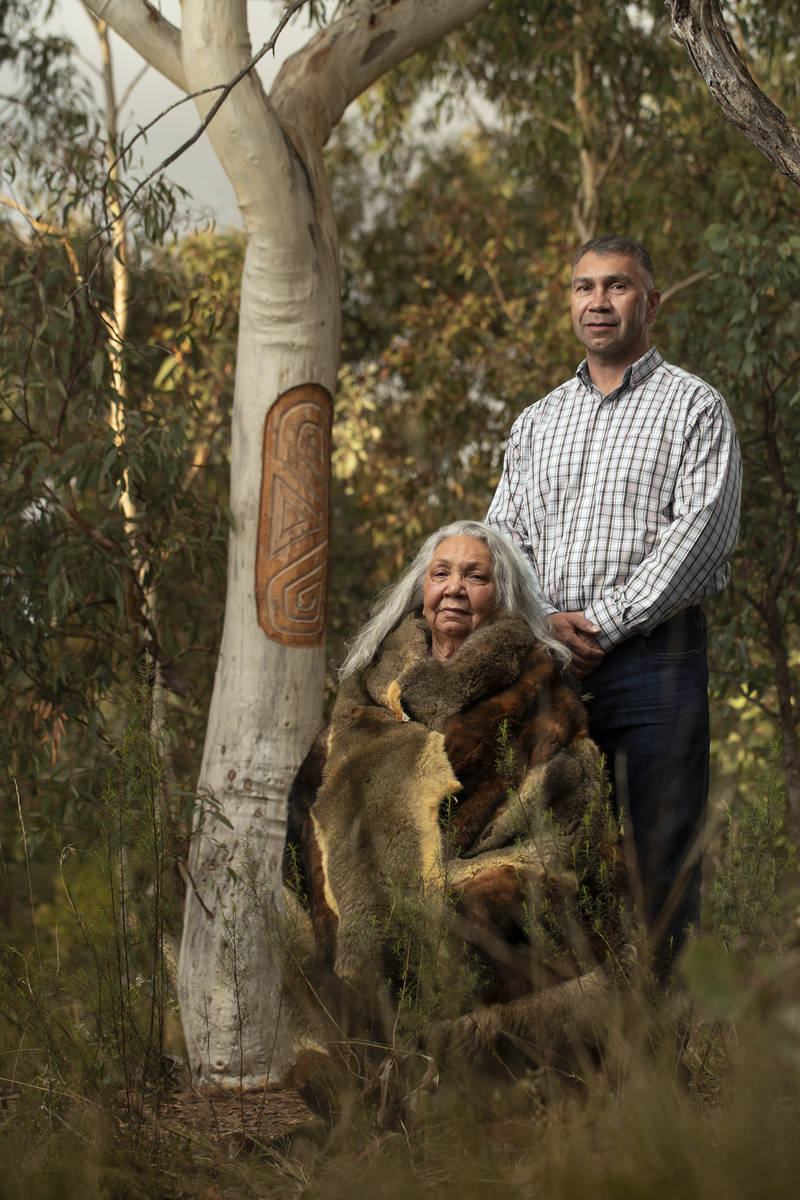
(611, 306)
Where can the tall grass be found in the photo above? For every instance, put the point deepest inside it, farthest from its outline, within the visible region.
(697, 1094)
(86, 1036)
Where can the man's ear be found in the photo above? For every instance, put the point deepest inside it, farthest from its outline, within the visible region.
(653, 301)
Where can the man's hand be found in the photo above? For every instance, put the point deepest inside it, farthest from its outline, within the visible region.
(578, 635)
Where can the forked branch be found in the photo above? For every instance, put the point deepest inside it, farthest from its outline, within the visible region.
(367, 39)
(143, 27)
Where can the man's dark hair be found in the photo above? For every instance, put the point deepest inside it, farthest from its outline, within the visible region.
(614, 243)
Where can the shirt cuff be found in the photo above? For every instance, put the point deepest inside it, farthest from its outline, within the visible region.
(611, 631)
(549, 610)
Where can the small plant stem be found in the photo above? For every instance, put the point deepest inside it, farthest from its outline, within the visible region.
(269, 1064)
(16, 1061)
(401, 998)
(28, 866)
(239, 1019)
(208, 1055)
(709, 1044)
(5, 868)
(119, 1023)
(155, 1034)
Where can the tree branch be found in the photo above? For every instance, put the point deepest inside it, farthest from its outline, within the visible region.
(224, 90)
(478, 71)
(143, 27)
(750, 697)
(87, 635)
(93, 533)
(47, 228)
(188, 881)
(700, 26)
(136, 79)
(687, 281)
(611, 157)
(367, 39)
(493, 279)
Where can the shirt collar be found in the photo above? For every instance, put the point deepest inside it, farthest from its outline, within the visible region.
(635, 374)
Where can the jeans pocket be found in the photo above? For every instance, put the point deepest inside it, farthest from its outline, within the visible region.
(682, 637)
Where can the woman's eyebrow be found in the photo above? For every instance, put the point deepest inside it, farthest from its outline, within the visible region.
(469, 565)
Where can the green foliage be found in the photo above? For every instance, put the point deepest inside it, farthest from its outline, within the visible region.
(581, 916)
(113, 487)
(457, 252)
(456, 256)
(753, 858)
(45, 137)
(745, 966)
(72, 581)
(432, 978)
(742, 336)
(456, 263)
(235, 959)
(98, 1022)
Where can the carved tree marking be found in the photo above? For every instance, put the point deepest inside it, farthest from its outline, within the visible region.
(294, 518)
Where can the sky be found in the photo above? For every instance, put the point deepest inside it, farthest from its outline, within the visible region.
(198, 170)
(211, 197)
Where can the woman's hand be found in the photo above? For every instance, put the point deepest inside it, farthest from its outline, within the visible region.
(578, 635)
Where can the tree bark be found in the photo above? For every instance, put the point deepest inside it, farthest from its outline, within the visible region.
(267, 701)
(700, 26)
(143, 27)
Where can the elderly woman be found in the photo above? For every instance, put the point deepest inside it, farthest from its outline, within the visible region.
(450, 792)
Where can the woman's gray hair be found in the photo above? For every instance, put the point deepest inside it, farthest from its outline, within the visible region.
(514, 581)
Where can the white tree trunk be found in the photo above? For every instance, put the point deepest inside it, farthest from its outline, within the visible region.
(267, 701)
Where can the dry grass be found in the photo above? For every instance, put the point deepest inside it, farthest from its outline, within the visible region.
(721, 1120)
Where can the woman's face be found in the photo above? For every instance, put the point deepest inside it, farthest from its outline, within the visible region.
(458, 593)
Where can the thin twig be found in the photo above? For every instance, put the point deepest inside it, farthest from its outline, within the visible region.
(136, 79)
(269, 1064)
(50, 228)
(28, 865)
(490, 271)
(5, 868)
(208, 1057)
(750, 697)
(695, 277)
(187, 878)
(227, 88)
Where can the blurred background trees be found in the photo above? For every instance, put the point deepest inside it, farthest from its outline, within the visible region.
(463, 182)
(588, 118)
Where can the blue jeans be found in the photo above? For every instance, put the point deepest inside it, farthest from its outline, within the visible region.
(648, 712)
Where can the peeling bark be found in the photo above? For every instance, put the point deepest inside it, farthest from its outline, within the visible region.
(700, 26)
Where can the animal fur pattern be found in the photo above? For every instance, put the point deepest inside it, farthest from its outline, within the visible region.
(404, 811)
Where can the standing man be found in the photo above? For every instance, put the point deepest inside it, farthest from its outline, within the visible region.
(623, 488)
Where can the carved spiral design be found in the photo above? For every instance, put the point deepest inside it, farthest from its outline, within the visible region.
(294, 518)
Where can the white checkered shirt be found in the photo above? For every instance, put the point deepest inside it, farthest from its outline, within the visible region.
(627, 505)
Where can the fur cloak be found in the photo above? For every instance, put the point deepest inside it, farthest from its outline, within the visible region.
(455, 794)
